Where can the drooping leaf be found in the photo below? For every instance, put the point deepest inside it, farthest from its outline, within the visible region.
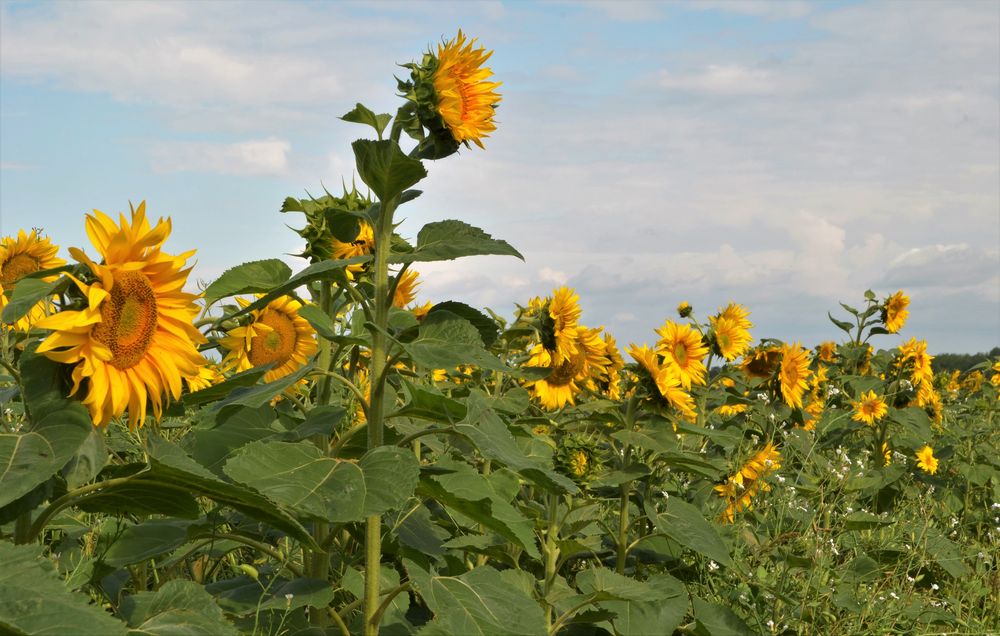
(385, 168)
(223, 389)
(446, 341)
(146, 540)
(451, 239)
(319, 320)
(718, 620)
(607, 584)
(486, 326)
(429, 404)
(662, 616)
(249, 278)
(34, 600)
(258, 395)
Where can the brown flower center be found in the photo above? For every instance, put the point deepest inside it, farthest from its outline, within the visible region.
(128, 320)
(569, 369)
(276, 345)
(17, 266)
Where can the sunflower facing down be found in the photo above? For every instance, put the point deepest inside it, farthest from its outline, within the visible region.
(794, 374)
(406, 289)
(569, 377)
(894, 313)
(362, 245)
(666, 381)
(134, 341)
(276, 334)
(466, 100)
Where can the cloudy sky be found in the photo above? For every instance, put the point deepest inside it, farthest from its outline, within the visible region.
(784, 155)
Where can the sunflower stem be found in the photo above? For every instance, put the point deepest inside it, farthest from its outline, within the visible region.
(376, 411)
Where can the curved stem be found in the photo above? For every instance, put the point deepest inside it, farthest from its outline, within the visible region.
(67, 500)
(260, 547)
(351, 387)
(402, 587)
(427, 431)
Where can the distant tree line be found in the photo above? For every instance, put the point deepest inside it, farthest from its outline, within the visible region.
(961, 361)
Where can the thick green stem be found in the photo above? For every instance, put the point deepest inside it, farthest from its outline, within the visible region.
(551, 556)
(623, 496)
(376, 415)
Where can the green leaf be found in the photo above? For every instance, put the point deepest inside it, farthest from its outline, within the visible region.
(323, 270)
(34, 600)
(446, 341)
(141, 497)
(451, 239)
(469, 493)
(662, 616)
(29, 458)
(486, 326)
(261, 394)
(324, 488)
(147, 540)
(685, 524)
(223, 389)
(429, 404)
(87, 462)
(211, 447)
(29, 292)
(361, 115)
(319, 320)
(179, 607)
(256, 277)
(385, 168)
(606, 584)
(480, 602)
(171, 465)
(717, 620)
(843, 324)
(487, 431)
(947, 554)
(860, 520)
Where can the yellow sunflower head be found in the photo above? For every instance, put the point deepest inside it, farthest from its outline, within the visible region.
(894, 312)
(362, 244)
(559, 323)
(886, 454)
(681, 348)
(869, 408)
(133, 340)
(275, 335)
(26, 254)
(406, 289)
(576, 372)
(926, 460)
(451, 97)
(761, 361)
(827, 351)
(684, 309)
(914, 357)
(611, 381)
(731, 331)
(794, 374)
(666, 381)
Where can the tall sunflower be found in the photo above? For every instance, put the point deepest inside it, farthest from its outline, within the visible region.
(741, 487)
(275, 334)
(134, 340)
(570, 376)
(794, 374)
(894, 313)
(22, 255)
(406, 289)
(682, 349)
(913, 355)
(559, 324)
(467, 101)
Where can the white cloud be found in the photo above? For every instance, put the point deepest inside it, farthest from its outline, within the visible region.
(785, 9)
(268, 157)
(723, 79)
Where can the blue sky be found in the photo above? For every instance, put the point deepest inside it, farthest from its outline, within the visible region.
(784, 155)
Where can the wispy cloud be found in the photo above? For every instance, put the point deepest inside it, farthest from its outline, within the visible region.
(268, 157)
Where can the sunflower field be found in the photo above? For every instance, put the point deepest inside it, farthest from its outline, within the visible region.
(320, 452)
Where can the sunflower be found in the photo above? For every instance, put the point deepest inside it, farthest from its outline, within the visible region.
(973, 381)
(682, 350)
(731, 329)
(134, 340)
(794, 374)
(26, 254)
(730, 410)
(913, 354)
(886, 454)
(208, 375)
(684, 309)
(761, 361)
(559, 324)
(363, 244)
(929, 400)
(926, 460)
(995, 378)
(406, 289)
(568, 377)
(466, 100)
(869, 408)
(274, 335)
(665, 379)
(827, 351)
(894, 311)
(611, 381)
(742, 486)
